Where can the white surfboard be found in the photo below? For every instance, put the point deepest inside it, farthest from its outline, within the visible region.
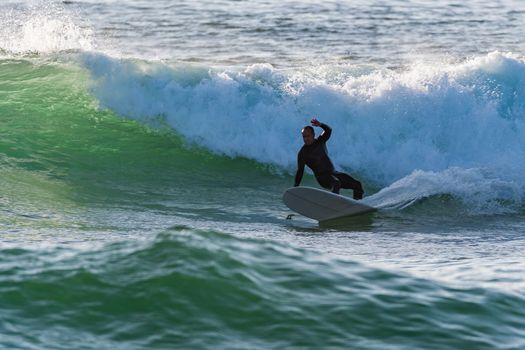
(322, 205)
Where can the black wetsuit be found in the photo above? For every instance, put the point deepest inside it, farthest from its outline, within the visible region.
(316, 157)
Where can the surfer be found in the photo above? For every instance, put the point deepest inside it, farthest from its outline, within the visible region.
(314, 154)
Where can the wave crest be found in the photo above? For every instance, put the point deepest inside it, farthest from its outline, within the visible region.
(386, 123)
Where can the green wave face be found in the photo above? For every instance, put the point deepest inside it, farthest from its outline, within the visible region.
(57, 143)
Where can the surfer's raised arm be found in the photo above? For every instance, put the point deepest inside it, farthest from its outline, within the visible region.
(327, 131)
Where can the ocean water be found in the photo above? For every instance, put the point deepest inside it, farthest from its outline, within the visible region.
(145, 147)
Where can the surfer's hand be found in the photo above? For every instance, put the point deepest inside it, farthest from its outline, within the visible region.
(315, 122)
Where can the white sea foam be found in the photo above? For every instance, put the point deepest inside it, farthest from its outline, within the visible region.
(483, 191)
(42, 27)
